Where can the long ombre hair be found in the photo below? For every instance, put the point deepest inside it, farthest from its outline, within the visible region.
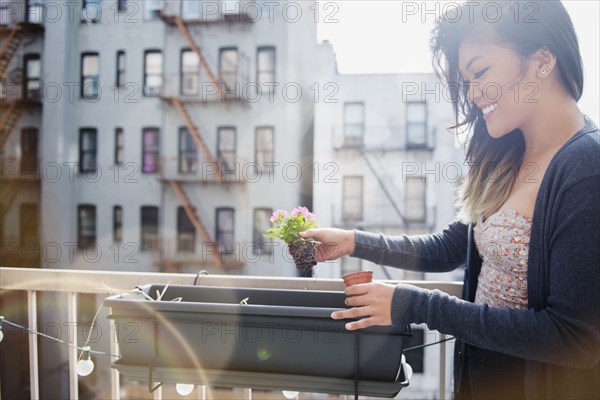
(525, 27)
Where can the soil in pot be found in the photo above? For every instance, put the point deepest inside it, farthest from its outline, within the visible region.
(304, 253)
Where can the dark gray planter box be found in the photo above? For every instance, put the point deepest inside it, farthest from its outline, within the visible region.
(282, 339)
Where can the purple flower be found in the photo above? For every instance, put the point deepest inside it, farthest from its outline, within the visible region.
(300, 211)
(278, 214)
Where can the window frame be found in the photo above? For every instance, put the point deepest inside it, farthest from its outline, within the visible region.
(83, 77)
(235, 72)
(83, 169)
(29, 159)
(85, 241)
(408, 202)
(354, 140)
(185, 228)
(29, 93)
(271, 88)
(186, 154)
(269, 168)
(146, 243)
(120, 69)
(183, 74)
(219, 233)
(224, 165)
(346, 215)
(117, 224)
(259, 241)
(146, 74)
(119, 146)
(155, 152)
(411, 144)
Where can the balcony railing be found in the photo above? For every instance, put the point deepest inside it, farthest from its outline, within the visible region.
(72, 282)
(382, 138)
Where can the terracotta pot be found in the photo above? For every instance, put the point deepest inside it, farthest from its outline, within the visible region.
(355, 278)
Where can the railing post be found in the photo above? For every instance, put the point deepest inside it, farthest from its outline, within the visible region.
(115, 385)
(33, 348)
(442, 389)
(247, 394)
(72, 322)
(201, 392)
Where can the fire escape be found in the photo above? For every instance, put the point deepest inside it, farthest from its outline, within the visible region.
(15, 98)
(220, 175)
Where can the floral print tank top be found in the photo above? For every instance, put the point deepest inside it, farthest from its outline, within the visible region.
(503, 243)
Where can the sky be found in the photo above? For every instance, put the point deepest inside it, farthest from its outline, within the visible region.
(372, 36)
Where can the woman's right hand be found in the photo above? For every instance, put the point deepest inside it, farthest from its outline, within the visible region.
(335, 243)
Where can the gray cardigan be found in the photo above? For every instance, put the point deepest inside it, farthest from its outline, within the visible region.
(559, 335)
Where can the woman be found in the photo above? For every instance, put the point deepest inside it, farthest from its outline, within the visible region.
(528, 230)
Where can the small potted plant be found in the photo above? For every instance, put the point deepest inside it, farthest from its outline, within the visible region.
(287, 226)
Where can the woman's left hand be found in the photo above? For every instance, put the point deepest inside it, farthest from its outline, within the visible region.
(372, 300)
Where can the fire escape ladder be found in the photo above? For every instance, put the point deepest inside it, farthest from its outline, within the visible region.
(195, 132)
(383, 187)
(9, 47)
(199, 226)
(7, 196)
(8, 122)
(188, 37)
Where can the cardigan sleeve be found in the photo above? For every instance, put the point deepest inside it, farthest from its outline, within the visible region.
(440, 252)
(567, 330)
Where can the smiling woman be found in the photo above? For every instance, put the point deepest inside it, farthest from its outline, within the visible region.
(528, 228)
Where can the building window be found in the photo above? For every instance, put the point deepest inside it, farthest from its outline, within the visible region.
(191, 9)
(226, 148)
(119, 147)
(352, 201)
(261, 244)
(29, 150)
(35, 10)
(86, 225)
(265, 149)
(153, 72)
(414, 199)
(186, 234)
(265, 68)
(122, 5)
(228, 65)
(416, 125)
(225, 232)
(190, 73)
(90, 75)
(117, 224)
(87, 150)
(354, 123)
(28, 225)
(188, 154)
(149, 228)
(91, 10)
(152, 9)
(120, 76)
(32, 83)
(150, 150)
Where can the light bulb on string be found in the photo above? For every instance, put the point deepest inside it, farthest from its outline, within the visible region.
(85, 366)
(184, 388)
(288, 394)
(1, 333)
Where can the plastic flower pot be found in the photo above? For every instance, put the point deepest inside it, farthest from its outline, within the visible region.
(355, 278)
(278, 339)
(304, 253)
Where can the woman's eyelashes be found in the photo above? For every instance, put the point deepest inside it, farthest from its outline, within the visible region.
(476, 75)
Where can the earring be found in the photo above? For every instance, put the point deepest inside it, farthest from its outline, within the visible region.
(547, 69)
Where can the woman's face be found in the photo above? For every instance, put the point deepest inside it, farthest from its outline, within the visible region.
(504, 94)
